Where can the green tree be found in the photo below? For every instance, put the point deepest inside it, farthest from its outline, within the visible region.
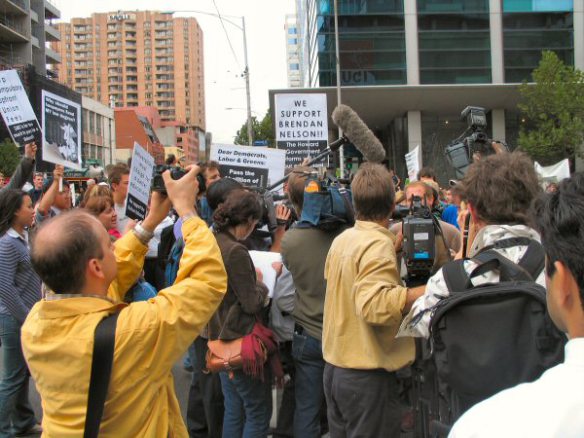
(554, 109)
(262, 130)
(9, 157)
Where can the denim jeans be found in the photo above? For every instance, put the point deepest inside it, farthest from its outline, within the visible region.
(16, 414)
(309, 368)
(248, 406)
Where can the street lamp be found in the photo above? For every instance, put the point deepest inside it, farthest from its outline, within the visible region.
(246, 70)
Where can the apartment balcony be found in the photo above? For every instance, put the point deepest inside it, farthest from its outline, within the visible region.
(51, 10)
(51, 33)
(14, 7)
(35, 42)
(52, 56)
(12, 31)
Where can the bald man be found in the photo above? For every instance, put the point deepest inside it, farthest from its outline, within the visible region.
(75, 258)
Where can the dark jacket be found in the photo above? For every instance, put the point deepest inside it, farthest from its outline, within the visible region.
(22, 174)
(245, 296)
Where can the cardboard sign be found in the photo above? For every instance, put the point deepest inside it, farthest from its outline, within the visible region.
(140, 181)
(61, 130)
(301, 125)
(413, 162)
(251, 166)
(16, 110)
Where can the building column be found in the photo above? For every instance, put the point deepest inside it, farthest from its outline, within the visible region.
(414, 130)
(496, 28)
(498, 121)
(579, 34)
(412, 51)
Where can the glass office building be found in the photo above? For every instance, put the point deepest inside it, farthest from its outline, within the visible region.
(426, 60)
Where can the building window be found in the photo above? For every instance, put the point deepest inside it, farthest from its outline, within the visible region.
(294, 66)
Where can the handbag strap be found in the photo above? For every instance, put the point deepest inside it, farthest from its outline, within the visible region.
(101, 368)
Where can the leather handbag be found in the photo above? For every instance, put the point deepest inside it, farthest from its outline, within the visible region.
(224, 356)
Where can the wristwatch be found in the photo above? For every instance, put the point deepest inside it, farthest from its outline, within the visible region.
(143, 235)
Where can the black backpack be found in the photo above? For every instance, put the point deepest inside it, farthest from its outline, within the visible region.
(492, 337)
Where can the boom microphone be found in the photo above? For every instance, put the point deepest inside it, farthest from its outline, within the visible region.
(358, 133)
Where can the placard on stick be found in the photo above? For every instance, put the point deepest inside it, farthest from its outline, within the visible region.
(251, 166)
(16, 110)
(140, 181)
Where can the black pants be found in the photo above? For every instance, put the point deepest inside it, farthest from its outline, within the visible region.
(362, 403)
(154, 273)
(205, 406)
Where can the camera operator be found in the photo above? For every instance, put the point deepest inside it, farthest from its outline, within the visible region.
(447, 237)
(74, 256)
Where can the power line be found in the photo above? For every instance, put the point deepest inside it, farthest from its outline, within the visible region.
(226, 34)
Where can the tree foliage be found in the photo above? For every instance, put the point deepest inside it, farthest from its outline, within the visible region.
(9, 157)
(554, 109)
(262, 130)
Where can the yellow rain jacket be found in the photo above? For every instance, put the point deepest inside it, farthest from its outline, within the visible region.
(57, 340)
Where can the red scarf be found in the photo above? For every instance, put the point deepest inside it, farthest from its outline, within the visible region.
(253, 349)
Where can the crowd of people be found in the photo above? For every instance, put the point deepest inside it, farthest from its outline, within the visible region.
(337, 331)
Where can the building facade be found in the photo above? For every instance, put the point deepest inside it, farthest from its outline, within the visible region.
(292, 52)
(135, 59)
(25, 27)
(409, 67)
(99, 132)
(136, 125)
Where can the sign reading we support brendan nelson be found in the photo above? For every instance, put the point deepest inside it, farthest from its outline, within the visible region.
(301, 125)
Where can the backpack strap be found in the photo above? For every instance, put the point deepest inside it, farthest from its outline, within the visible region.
(101, 369)
(532, 261)
(455, 276)
(508, 271)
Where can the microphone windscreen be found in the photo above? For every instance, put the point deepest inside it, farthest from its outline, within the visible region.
(360, 135)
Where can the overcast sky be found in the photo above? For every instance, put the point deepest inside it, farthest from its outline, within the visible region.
(266, 43)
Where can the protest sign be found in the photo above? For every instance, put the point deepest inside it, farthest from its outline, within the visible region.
(301, 125)
(263, 260)
(140, 181)
(554, 173)
(251, 166)
(16, 110)
(413, 162)
(61, 130)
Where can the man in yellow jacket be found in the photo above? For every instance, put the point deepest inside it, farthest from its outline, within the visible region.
(74, 257)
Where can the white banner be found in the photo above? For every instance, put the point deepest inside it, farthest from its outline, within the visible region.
(555, 172)
(61, 130)
(301, 125)
(140, 181)
(16, 110)
(414, 163)
(250, 165)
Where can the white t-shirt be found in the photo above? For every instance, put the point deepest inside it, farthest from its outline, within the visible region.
(552, 406)
(122, 218)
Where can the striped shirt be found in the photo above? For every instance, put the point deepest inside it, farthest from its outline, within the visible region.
(20, 286)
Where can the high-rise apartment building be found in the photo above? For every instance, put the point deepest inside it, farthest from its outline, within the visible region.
(25, 27)
(409, 67)
(292, 52)
(137, 58)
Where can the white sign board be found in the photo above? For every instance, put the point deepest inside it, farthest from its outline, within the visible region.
(301, 125)
(16, 110)
(263, 260)
(250, 165)
(140, 181)
(61, 130)
(555, 172)
(414, 163)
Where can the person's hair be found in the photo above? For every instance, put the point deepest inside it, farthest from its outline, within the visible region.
(501, 188)
(559, 218)
(428, 190)
(427, 172)
(96, 191)
(115, 174)
(96, 205)
(373, 192)
(220, 189)
(11, 201)
(49, 182)
(171, 159)
(210, 165)
(296, 183)
(61, 264)
(239, 207)
(39, 174)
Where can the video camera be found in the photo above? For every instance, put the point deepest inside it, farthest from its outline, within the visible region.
(175, 173)
(474, 140)
(419, 234)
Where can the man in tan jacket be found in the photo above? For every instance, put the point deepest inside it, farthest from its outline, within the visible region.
(364, 305)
